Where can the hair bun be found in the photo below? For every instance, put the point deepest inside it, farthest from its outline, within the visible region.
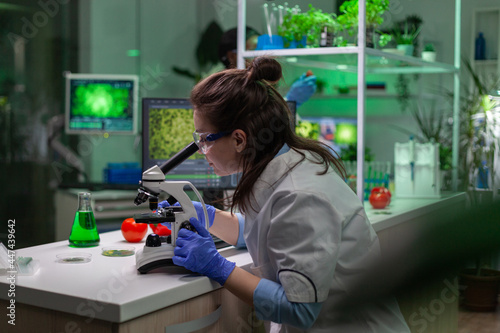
(265, 68)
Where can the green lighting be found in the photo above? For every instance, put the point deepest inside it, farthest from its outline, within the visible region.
(346, 133)
(133, 53)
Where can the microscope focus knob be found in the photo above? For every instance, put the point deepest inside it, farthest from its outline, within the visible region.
(153, 240)
(187, 225)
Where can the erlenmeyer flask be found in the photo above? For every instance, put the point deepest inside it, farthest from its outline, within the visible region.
(84, 232)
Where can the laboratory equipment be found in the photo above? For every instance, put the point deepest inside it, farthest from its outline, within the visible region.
(118, 251)
(159, 251)
(97, 103)
(416, 170)
(74, 258)
(84, 231)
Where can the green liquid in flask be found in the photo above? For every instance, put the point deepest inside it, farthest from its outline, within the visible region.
(84, 232)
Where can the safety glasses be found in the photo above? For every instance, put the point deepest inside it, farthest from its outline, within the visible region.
(205, 141)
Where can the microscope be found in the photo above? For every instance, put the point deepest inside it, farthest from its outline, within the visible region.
(159, 251)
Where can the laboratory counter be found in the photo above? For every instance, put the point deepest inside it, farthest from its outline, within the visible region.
(108, 294)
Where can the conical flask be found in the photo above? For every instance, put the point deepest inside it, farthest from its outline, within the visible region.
(84, 232)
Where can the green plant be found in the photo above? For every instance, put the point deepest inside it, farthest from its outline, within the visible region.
(311, 23)
(407, 35)
(321, 85)
(429, 48)
(374, 13)
(307, 129)
(348, 19)
(403, 91)
(384, 39)
(478, 145)
(479, 120)
(350, 153)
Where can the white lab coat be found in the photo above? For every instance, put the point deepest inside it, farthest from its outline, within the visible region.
(310, 233)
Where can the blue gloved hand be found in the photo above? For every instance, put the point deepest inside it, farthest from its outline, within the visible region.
(199, 211)
(197, 252)
(302, 89)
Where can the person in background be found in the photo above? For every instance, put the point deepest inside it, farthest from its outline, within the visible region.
(306, 231)
(300, 91)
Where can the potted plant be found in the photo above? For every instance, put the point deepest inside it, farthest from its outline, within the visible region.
(405, 38)
(480, 288)
(429, 53)
(305, 28)
(348, 19)
(480, 120)
(479, 143)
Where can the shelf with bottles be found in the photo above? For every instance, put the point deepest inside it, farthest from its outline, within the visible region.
(374, 61)
(485, 40)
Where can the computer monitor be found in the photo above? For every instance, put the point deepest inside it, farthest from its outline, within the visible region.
(335, 132)
(97, 104)
(167, 127)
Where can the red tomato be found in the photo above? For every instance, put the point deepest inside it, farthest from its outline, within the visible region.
(160, 229)
(379, 197)
(133, 232)
(383, 190)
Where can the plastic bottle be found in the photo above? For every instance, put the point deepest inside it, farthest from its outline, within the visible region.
(84, 232)
(483, 176)
(480, 53)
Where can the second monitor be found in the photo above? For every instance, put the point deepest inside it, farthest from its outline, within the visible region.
(167, 127)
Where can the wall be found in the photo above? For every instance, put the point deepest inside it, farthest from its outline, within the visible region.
(108, 29)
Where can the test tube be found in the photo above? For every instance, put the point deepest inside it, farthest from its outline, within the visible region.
(267, 19)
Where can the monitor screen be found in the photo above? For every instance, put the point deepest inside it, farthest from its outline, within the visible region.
(167, 128)
(98, 104)
(337, 133)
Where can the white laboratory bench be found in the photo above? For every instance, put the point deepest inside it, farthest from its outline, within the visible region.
(107, 294)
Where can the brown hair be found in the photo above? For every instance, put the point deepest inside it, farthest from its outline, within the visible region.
(246, 99)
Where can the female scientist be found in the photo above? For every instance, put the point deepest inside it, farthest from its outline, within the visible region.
(305, 229)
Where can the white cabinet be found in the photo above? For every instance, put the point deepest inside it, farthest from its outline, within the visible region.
(362, 61)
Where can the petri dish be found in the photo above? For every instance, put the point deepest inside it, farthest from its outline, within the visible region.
(118, 251)
(74, 258)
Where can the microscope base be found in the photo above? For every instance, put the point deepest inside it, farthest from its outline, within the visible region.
(150, 258)
(154, 265)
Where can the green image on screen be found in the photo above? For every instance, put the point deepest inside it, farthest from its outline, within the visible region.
(346, 133)
(100, 100)
(170, 130)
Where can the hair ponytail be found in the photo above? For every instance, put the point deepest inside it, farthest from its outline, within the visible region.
(264, 68)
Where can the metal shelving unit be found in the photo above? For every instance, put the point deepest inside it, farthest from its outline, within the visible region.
(362, 60)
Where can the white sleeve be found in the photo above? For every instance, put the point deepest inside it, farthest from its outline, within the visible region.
(304, 242)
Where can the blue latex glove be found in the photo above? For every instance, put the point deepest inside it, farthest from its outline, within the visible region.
(197, 252)
(302, 89)
(199, 211)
